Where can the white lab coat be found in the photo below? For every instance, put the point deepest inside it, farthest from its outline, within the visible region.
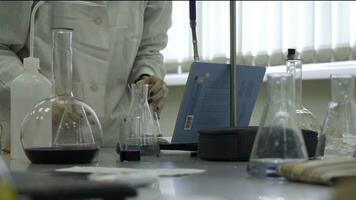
(113, 44)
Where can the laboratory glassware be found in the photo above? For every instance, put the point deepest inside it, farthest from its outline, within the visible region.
(61, 129)
(149, 128)
(129, 138)
(339, 129)
(6, 185)
(26, 90)
(279, 138)
(305, 118)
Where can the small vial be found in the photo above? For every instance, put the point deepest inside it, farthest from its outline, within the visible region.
(129, 140)
(130, 155)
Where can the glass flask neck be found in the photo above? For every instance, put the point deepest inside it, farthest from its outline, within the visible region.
(139, 95)
(342, 88)
(294, 67)
(144, 94)
(281, 91)
(62, 61)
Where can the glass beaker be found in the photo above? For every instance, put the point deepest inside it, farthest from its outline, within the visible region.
(149, 128)
(61, 129)
(279, 138)
(339, 128)
(305, 118)
(6, 187)
(129, 138)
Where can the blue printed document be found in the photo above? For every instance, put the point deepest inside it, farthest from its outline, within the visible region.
(206, 101)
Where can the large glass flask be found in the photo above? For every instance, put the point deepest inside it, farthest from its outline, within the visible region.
(279, 138)
(339, 128)
(305, 118)
(61, 129)
(149, 128)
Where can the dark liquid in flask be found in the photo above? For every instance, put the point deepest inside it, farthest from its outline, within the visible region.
(311, 141)
(61, 155)
(130, 155)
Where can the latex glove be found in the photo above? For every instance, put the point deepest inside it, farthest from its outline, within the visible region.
(158, 91)
(72, 115)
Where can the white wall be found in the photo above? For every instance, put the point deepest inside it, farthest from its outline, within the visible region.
(315, 98)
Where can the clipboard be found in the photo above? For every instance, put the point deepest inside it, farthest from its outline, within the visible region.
(206, 101)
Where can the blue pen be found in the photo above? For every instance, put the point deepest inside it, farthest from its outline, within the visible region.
(193, 23)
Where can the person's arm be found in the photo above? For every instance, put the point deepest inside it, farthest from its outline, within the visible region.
(148, 66)
(14, 24)
(149, 60)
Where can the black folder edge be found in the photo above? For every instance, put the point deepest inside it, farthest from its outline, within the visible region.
(42, 186)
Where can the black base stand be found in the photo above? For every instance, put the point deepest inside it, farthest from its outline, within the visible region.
(235, 144)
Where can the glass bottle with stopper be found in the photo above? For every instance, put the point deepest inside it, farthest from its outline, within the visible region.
(61, 129)
(306, 120)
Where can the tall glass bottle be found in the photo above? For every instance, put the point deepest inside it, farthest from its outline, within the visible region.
(305, 118)
(76, 131)
(279, 138)
(339, 128)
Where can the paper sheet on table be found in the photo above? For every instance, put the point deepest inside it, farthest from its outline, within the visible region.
(164, 140)
(112, 170)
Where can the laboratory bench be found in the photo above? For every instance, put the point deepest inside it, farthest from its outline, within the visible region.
(221, 180)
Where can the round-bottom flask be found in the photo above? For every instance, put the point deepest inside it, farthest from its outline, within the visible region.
(61, 129)
(279, 138)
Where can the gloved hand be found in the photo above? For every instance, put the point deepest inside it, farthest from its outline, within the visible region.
(158, 91)
(73, 113)
(58, 112)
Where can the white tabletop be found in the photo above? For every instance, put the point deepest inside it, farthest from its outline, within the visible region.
(222, 180)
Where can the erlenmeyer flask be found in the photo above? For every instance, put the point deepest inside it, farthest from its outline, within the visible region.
(76, 130)
(148, 126)
(279, 138)
(305, 118)
(339, 128)
(6, 188)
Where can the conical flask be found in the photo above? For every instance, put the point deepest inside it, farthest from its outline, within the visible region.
(76, 130)
(149, 127)
(339, 129)
(305, 118)
(279, 138)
